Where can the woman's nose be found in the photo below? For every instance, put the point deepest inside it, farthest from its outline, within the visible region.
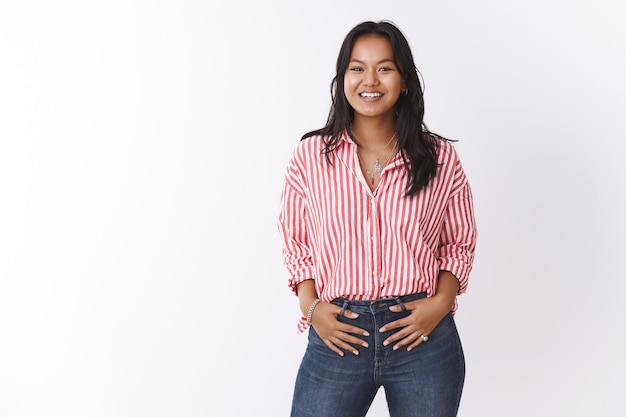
(371, 78)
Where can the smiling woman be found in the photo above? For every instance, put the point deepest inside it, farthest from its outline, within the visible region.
(372, 84)
(378, 232)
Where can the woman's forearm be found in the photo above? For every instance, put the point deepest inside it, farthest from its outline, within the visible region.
(447, 288)
(306, 295)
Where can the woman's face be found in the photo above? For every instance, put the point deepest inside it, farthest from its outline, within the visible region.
(372, 82)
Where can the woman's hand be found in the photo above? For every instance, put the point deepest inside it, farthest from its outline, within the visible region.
(424, 316)
(335, 334)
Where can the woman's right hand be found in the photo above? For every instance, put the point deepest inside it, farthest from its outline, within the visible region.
(338, 336)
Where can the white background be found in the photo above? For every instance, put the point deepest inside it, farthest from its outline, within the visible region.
(142, 149)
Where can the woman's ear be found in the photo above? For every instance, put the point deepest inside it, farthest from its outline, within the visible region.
(404, 91)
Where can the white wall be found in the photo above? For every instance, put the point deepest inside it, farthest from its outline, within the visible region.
(142, 148)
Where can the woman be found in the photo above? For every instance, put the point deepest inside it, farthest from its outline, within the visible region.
(379, 236)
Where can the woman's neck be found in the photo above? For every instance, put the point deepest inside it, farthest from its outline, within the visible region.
(374, 134)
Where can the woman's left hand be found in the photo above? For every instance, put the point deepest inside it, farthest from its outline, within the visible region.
(424, 316)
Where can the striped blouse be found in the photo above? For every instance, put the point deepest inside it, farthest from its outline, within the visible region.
(364, 245)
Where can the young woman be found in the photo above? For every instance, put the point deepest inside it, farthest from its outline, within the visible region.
(379, 236)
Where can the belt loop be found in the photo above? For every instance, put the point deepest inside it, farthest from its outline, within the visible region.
(400, 303)
(343, 307)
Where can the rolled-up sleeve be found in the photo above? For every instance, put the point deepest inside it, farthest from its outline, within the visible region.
(457, 241)
(293, 227)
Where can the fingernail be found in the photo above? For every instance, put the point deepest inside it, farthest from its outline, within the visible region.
(364, 344)
(382, 329)
(409, 349)
(354, 315)
(386, 342)
(365, 333)
(396, 347)
(356, 352)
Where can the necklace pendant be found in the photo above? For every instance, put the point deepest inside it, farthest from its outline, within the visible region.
(377, 167)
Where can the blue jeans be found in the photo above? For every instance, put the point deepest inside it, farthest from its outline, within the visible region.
(426, 382)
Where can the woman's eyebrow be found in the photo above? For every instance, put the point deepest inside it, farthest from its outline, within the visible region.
(358, 61)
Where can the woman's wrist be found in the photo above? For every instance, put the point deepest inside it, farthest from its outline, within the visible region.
(306, 295)
(309, 314)
(443, 302)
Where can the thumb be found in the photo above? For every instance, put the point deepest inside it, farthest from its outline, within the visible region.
(350, 314)
(395, 308)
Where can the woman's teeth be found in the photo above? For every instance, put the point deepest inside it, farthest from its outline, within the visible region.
(371, 95)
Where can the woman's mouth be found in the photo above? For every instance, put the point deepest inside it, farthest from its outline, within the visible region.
(371, 95)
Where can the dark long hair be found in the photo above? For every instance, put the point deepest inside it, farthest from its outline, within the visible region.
(417, 144)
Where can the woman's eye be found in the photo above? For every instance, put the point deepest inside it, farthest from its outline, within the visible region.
(384, 69)
(356, 69)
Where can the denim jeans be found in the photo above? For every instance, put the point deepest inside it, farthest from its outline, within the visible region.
(426, 382)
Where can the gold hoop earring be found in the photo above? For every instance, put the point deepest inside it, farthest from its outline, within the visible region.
(405, 92)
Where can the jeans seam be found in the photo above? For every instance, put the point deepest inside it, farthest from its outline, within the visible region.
(376, 370)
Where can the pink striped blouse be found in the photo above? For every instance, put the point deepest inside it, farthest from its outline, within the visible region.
(364, 245)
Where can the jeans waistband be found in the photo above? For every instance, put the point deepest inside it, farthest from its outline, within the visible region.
(361, 306)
